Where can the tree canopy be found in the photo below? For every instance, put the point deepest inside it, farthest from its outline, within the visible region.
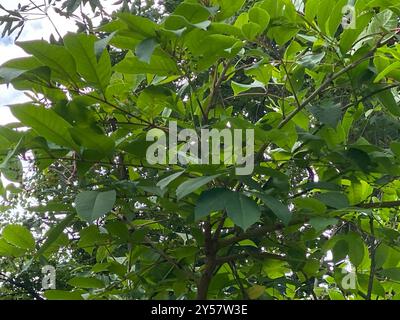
(317, 218)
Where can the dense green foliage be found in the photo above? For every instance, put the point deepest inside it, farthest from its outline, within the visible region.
(323, 199)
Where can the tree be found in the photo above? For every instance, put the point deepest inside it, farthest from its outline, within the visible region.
(317, 219)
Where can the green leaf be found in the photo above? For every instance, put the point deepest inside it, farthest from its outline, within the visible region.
(391, 273)
(228, 8)
(280, 210)
(12, 69)
(46, 123)
(142, 27)
(356, 248)
(5, 164)
(335, 17)
(193, 12)
(55, 232)
(259, 16)
(71, 5)
(255, 292)
(91, 205)
(243, 211)
(335, 200)
(387, 70)
(19, 236)
(166, 181)
(311, 9)
(312, 205)
(101, 45)
(82, 48)
(192, 185)
(91, 140)
(8, 250)
(388, 101)
(145, 49)
(238, 88)
(86, 283)
(160, 64)
(340, 250)
(310, 60)
(251, 30)
(63, 295)
(328, 113)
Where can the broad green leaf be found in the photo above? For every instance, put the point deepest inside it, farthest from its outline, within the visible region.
(101, 45)
(55, 232)
(251, 30)
(255, 292)
(321, 223)
(391, 273)
(142, 27)
(327, 112)
(92, 140)
(335, 200)
(192, 185)
(242, 210)
(12, 69)
(166, 181)
(259, 16)
(340, 250)
(280, 210)
(19, 236)
(227, 8)
(8, 250)
(210, 201)
(311, 205)
(386, 71)
(71, 5)
(238, 88)
(193, 12)
(356, 248)
(336, 16)
(91, 205)
(388, 101)
(160, 64)
(311, 9)
(63, 295)
(311, 60)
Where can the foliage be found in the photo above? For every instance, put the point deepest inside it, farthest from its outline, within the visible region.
(323, 199)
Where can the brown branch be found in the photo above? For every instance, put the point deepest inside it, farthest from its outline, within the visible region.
(316, 92)
(215, 86)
